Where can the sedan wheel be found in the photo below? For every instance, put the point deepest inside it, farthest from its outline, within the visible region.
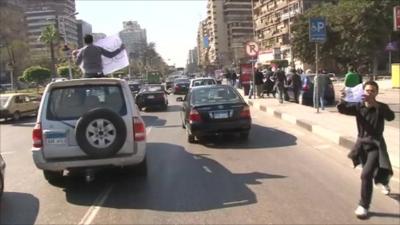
(190, 138)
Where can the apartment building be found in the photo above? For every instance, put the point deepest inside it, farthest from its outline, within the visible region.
(239, 23)
(83, 28)
(134, 38)
(218, 53)
(202, 43)
(41, 13)
(272, 27)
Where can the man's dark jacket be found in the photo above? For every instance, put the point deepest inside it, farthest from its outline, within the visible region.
(370, 125)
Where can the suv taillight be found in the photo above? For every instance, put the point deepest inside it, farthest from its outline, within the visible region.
(139, 130)
(37, 136)
(245, 113)
(194, 116)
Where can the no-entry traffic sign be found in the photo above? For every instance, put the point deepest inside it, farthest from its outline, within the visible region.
(252, 48)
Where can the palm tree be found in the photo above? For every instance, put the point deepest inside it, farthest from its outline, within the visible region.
(49, 36)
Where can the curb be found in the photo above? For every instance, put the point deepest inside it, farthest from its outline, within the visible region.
(335, 137)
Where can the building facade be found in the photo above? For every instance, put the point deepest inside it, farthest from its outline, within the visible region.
(239, 22)
(134, 39)
(83, 28)
(41, 13)
(273, 19)
(202, 43)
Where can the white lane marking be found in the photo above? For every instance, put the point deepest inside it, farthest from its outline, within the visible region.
(7, 153)
(322, 146)
(148, 129)
(207, 169)
(94, 209)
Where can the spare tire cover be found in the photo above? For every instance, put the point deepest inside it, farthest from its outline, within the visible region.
(100, 133)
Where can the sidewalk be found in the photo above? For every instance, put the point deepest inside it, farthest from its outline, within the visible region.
(337, 128)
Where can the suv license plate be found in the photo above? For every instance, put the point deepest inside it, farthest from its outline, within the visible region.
(56, 141)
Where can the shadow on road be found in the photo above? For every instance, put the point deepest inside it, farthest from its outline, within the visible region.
(177, 181)
(153, 121)
(379, 214)
(260, 137)
(23, 122)
(395, 196)
(18, 208)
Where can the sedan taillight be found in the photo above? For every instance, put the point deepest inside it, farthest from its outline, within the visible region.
(37, 136)
(245, 113)
(194, 116)
(139, 130)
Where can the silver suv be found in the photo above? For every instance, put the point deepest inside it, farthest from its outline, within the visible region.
(87, 123)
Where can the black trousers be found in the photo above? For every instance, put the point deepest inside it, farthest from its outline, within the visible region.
(367, 176)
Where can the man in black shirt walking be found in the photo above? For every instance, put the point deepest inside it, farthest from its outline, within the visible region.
(370, 148)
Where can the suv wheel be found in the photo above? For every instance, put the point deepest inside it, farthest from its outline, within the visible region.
(53, 177)
(100, 133)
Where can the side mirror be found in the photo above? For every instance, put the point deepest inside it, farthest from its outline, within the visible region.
(179, 99)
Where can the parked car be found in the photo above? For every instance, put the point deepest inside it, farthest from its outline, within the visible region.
(211, 110)
(87, 123)
(17, 105)
(307, 91)
(181, 86)
(202, 81)
(152, 96)
(2, 172)
(134, 86)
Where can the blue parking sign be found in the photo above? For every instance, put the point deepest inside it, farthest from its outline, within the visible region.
(317, 29)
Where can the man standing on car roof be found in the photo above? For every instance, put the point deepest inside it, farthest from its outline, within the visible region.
(90, 56)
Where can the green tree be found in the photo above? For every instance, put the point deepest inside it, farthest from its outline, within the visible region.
(50, 36)
(357, 31)
(36, 74)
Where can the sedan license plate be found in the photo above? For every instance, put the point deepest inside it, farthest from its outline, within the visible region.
(56, 138)
(150, 96)
(220, 115)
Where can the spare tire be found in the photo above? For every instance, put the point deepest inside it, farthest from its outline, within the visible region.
(100, 133)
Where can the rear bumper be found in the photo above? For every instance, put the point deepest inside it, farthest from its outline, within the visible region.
(226, 127)
(152, 103)
(65, 164)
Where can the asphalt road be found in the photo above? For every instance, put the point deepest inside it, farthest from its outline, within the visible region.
(281, 175)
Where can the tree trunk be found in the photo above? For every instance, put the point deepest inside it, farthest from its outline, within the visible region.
(53, 61)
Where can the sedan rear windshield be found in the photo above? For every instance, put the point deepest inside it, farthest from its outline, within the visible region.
(214, 95)
(70, 103)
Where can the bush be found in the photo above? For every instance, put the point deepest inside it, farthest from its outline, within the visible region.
(63, 71)
(36, 74)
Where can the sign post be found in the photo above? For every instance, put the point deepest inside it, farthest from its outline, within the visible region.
(252, 50)
(317, 33)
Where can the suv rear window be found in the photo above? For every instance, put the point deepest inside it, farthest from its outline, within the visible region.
(70, 103)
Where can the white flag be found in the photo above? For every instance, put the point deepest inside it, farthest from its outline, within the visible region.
(354, 94)
(120, 61)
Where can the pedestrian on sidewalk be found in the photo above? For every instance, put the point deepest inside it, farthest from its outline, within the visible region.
(269, 82)
(370, 148)
(352, 78)
(258, 81)
(90, 56)
(280, 84)
(320, 84)
(294, 81)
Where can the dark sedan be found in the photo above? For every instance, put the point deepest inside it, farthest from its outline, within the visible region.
(135, 87)
(307, 91)
(181, 86)
(152, 96)
(212, 110)
(2, 168)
